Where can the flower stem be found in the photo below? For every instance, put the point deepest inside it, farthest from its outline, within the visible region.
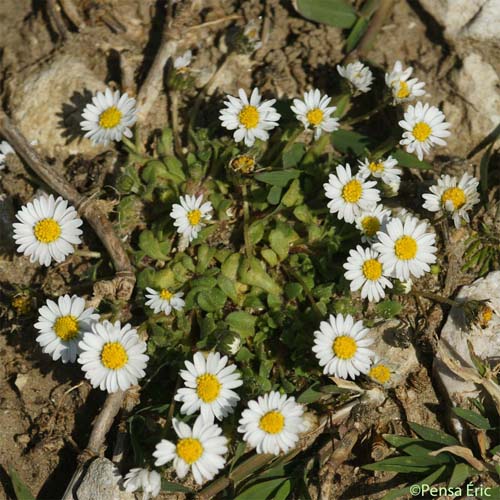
(246, 219)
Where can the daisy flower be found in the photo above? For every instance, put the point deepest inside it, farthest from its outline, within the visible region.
(272, 423)
(424, 127)
(365, 271)
(250, 119)
(190, 214)
(109, 117)
(47, 230)
(382, 169)
(453, 196)
(342, 347)
(143, 479)
(208, 386)
(183, 61)
(372, 221)
(113, 356)
(358, 75)
(406, 249)
(314, 112)
(5, 149)
(61, 326)
(350, 195)
(379, 371)
(200, 449)
(401, 87)
(164, 300)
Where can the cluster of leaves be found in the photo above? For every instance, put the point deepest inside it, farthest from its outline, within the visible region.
(439, 457)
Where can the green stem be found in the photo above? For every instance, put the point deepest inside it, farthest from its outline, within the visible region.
(288, 145)
(369, 114)
(290, 271)
(316, 149)
(246, 219)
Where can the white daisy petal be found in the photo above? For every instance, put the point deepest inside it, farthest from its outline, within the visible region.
(358, 75)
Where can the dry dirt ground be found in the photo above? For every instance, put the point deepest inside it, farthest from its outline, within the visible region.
(45, 410)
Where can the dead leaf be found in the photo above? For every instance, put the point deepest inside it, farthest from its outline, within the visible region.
(463, 452)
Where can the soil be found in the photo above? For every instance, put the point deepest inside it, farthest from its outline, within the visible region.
(45, 409)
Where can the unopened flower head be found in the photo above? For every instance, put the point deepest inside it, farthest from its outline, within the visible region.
(453, 196)
(364, 270)
(424, 126)
(190, 215)
(209, 386)
(164, 300)
(350, 195)
(341, 346)
(406, 248)
(182, 62)
(109, 117)
(314, 112)
(272, 423)
(47, 230)
(62, 324)
(200, 449)
(112, 356)
(402, 88)
(243, 164)
(143, 479)
(5, 149)
(381, 169)
(358, 74)
(249, 118)
(371, 221)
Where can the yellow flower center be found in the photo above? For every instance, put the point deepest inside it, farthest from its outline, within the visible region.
(21, 304)
(405, 248)
(249, 117)
(370, 225)
(189, 449)
(272, 422)
(376, 167)
(456, 195)
(315, 116)
(485, 316)
(165, 294)
(47, 230)
(194, 217)
(403, 91)
(208, 387)
(114, 356)
(352, 191)
(244, 164)
(66, 327)
(380, 373)
(110, 118)
(372, 269)
(344, 347)
(421, 131)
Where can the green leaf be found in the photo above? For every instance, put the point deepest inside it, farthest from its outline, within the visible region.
(347, 141)
(429, 480)
(311, 394)
(262, 490)
(293, 290)
(174, 487)
(388, 308)
(205, 255)
(408, 160)
(152, 247)
(270, 256)
(433, 435)
(242, 322)
(21, 490)
(399, 441)
(227, 285)
(460, 473)
(251, 272)
(283, 491)
(473, 418)
(332, 12)
(211, 300)
(174, 167)
(274, 195)
(356, 33)
(256, 231)
(293, 155)
(490, 494)
(293, 196)
(278, 178)
(418, 464)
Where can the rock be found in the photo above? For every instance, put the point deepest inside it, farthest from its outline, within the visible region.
(394, 351)
(472, 20)
(21, 381)
(47, 105)
(101, 482)
(453, 340)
